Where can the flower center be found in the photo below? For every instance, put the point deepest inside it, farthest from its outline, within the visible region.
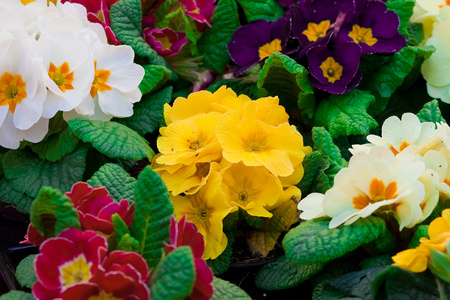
(100, 79)
(12, 90)
(242, 196)
(331, 70)
(103, 296)
(362, 35)
(202, 169)
(165, 42)
(195, 145)
(267, 49)
(315, 31)
(402, 146)
(61, 76)
(201, 214)
(377, 192)
(255, 147)
(78, 270)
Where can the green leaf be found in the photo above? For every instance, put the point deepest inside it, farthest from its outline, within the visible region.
(25, 272)
(112, 139)
(155, 76)
(440, 264)
(268, 10)
(56, 146)
(123, 236)
(430, 112)
(222, 262)
(376, 261)
(148, 113)
(346, 114)
(119, 184)
(284, 274)
(213, 43)
(174, 278)
(311, 169)
(17, 295)
(224, 290)
(19, 200)
(422, 231)
(324, 142)
(27, 173)
(126, 19)
(283, 77)
(313, 242)
(415, 34)
(52, 212)
(404, 10)
(152, 215)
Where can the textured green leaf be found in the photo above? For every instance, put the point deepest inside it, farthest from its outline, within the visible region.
(119, 184)
(27, 173)
(56, 146)
(268, 10)
(155, 76)
(422, 231)
(311, 169)
(284, 274)
(283, 77)
(174, 278)
(430, 112)
(415, 34)
(148, 113)
(17, 295)
(123, 236)
(126, 18)
(20, 201)
(213, 43)
(25, 272)
(152, 215)
(404, 10)
(52, 212)
(240, 86)
(324, 142)
(313, 242)
(222, 262)
(112, 139)
(346, 114)
(376, 261)
(224, 290)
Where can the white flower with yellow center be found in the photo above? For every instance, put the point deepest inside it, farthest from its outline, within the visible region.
(427, 12)
(398, 134)
(21, 92)
(67, 69)
(374, 181)
(115, 86)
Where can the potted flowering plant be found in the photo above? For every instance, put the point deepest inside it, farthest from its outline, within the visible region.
(314, 128)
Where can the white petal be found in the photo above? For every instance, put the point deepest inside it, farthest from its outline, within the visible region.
(312, 206)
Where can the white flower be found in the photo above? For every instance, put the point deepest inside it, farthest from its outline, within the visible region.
(116, 84)
(311, 206)
(67, 69)
(10, 136)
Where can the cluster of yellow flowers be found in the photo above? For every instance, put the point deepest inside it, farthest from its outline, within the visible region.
(220, 152)
(420, 258)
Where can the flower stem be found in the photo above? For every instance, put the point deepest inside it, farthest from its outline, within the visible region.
(441, 288)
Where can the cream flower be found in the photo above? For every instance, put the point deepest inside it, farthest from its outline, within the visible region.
(427, 12)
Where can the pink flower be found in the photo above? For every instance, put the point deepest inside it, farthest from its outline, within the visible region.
(33, 236)
(75, 265)
(96, 208)
(199, 10)
(98, 12)
(184, 233)
(166, 41)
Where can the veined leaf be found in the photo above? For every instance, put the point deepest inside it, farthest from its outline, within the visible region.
(25, 273)
(17, 295)
(268, 10)
(20, 201)
(430, 112)
(155, 76)
(56, 146)
(404, 10)
(224, 290)
(152, 215)
(123, 235)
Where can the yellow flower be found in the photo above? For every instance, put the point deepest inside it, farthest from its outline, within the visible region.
(291, 193)
(251, 188)
(414, 260)
(206, 209)
(223, 100)
(268, 110)
(189, 141)
(245, 138)
(440, 225)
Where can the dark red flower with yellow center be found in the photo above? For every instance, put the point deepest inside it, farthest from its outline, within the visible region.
(166, 41)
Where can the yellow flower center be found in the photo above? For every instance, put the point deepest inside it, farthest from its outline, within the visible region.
(165, 42)
(201, 213)
(377, 192)
(267, 49)
(331, 70)
(315, 31)
(255, 147)
(25, 2)
(242, 196)
(402, 146)
(362, 35)
(61, 76)
(12, 90)
(78, 270)
(195, 145)
(103, 296)
(100, 79)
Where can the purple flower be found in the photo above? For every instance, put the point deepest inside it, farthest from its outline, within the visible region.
(287, 3)
(166, 41)
(374, 29)
(334, 69)
(256, 41)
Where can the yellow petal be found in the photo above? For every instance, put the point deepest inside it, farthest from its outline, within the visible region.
(414, 260)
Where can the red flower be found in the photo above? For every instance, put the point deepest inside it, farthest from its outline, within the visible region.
(199, 10)
(184, 233)
(166, 41)
(96, 208)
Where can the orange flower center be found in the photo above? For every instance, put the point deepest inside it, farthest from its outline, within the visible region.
(402, 146)
(61, 76)
(100, 79)
(12, 90)
(377, 192)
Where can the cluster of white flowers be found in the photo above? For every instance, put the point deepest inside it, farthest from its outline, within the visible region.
(404, 172)
(53, 59)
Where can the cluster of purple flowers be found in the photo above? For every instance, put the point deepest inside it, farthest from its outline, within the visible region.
(330, 35)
